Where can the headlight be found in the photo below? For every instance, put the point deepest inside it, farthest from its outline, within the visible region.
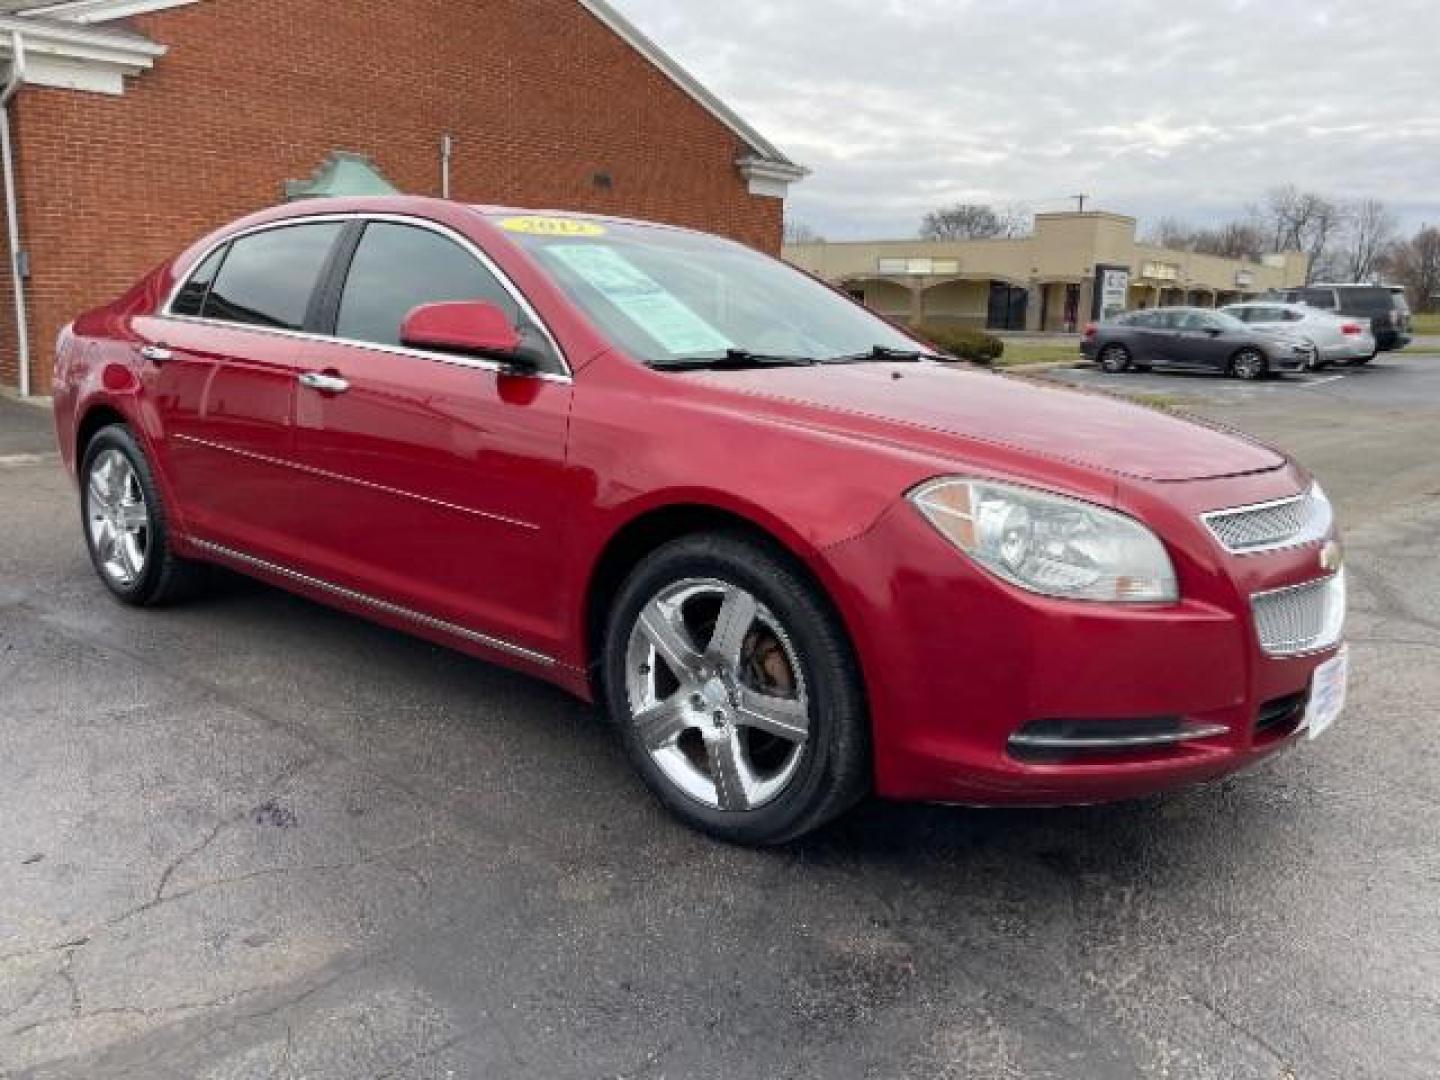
(1050, 544)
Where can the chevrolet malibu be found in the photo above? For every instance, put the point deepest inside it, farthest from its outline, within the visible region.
(794, 556)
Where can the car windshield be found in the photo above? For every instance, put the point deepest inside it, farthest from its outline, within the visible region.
(667, 296)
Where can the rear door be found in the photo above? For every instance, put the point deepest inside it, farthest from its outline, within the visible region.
(433, 481)
(1143, 337)
(221, 367)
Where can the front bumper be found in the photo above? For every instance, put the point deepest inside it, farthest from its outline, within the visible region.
(957, 663)
(1288, 357)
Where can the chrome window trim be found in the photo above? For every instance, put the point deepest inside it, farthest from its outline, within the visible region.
(385, 606)
(445, 231)
(1233, 511)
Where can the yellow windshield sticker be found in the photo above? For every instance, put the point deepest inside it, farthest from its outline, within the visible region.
(552, 226)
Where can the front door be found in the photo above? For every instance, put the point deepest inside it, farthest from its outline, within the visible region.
(430, 480)
(1201, 340)
(220, 367)
(1006, 310)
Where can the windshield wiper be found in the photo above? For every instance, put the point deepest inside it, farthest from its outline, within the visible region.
(882, 353)
(732, 358)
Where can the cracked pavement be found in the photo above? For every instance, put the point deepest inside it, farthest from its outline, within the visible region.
(251, 837)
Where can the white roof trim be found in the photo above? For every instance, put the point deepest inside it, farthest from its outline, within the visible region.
(71, 57)
(763, 149)
(93, 11)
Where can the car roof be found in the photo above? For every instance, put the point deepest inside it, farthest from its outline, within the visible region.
(418, 205)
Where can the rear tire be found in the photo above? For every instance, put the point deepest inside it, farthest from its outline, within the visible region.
(126, 526)
(1115, 359)
(1249, 364)
(735, 691)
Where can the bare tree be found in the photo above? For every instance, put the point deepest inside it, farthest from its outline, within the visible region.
(1233, 240)
(1416, 265)
(1371, 231)
(1295, 220)
(798, 232)
(963, 221)
(1016, 219)
(1238, 239)
(1170, 232)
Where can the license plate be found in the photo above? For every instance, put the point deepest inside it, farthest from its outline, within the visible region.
(1327, 694)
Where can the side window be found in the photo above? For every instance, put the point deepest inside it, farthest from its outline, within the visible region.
(1245, 314)
(191, 297)
(1167, 320)
(268, 277)
(399, 267)
(1321, 298)
(1293, 316)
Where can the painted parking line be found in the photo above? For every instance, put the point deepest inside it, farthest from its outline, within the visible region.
(1321, 382)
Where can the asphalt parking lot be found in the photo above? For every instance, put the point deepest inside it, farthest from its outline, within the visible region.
(251, 837)
(1391, 380)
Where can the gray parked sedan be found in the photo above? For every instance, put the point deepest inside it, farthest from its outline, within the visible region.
(1197, 338)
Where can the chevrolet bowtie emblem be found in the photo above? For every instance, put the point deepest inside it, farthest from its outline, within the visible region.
(1331, 556)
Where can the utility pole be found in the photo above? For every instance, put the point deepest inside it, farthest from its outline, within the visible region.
(1080, 199)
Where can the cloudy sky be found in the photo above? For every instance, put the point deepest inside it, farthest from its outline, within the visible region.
(1191, 109)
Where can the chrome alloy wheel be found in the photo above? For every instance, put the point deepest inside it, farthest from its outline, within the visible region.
(717, 694)
(117, 517)
(1249, 363)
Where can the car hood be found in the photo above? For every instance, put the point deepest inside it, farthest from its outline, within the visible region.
(914, 403)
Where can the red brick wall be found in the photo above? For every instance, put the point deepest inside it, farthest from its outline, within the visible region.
(538, 94)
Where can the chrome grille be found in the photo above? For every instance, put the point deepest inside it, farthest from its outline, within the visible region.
(1296, 520)
(1301, 619)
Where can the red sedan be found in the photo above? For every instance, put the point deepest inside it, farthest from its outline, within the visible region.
(793, 557)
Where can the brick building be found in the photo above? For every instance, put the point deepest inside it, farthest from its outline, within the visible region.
(137, 125)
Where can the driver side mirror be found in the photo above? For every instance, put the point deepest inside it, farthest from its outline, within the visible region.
(469, 328)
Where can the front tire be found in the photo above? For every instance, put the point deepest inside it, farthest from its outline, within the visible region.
(126, 527)
(1249, 364)
(735, 690)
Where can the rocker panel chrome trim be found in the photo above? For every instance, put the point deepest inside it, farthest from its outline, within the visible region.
(428, 621)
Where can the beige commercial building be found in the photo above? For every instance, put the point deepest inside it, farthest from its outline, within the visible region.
(1072, 268)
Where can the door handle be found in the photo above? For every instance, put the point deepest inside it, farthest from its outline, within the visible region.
(323, 382)
(157, 354)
